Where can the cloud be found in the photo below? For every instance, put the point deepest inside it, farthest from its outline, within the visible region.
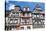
(11, 7)
(7, 1)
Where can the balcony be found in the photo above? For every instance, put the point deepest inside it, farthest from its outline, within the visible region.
(16, 15)
(13, 24)
(25, 23)
(25, 16)
(38, 26)
(41, 18)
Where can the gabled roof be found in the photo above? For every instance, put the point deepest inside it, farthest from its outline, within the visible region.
(37, 7)
(26, 7)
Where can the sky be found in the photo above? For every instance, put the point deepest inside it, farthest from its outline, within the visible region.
(10, 4)
(28, 0)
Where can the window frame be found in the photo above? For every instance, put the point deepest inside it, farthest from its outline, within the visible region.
(28, 27)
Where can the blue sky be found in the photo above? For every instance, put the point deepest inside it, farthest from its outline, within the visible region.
(11, 4)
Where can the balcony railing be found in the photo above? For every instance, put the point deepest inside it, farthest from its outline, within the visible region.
(38, 18)
(26, 16)
(25, 23)
(13, 24)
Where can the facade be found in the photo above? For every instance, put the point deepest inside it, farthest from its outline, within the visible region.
(26, 18)
(38, 18)
(20, 20)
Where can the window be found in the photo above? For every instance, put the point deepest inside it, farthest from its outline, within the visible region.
(16, 21)
(13, 12)
(22, 21)
(37, 15)
(33, 20)
(28, 27)
(30, 14)
(35, 23)
(41, 20)
(22, 27)
(41, 16)
(17, 13)
(11, 19)
(28, 9)
(16, 18)
(23, 14)
(13, 15)
(27, 14)
(34, 15)
(25, 21)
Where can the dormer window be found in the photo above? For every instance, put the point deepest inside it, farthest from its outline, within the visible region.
(26, 9)
(16, 8)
